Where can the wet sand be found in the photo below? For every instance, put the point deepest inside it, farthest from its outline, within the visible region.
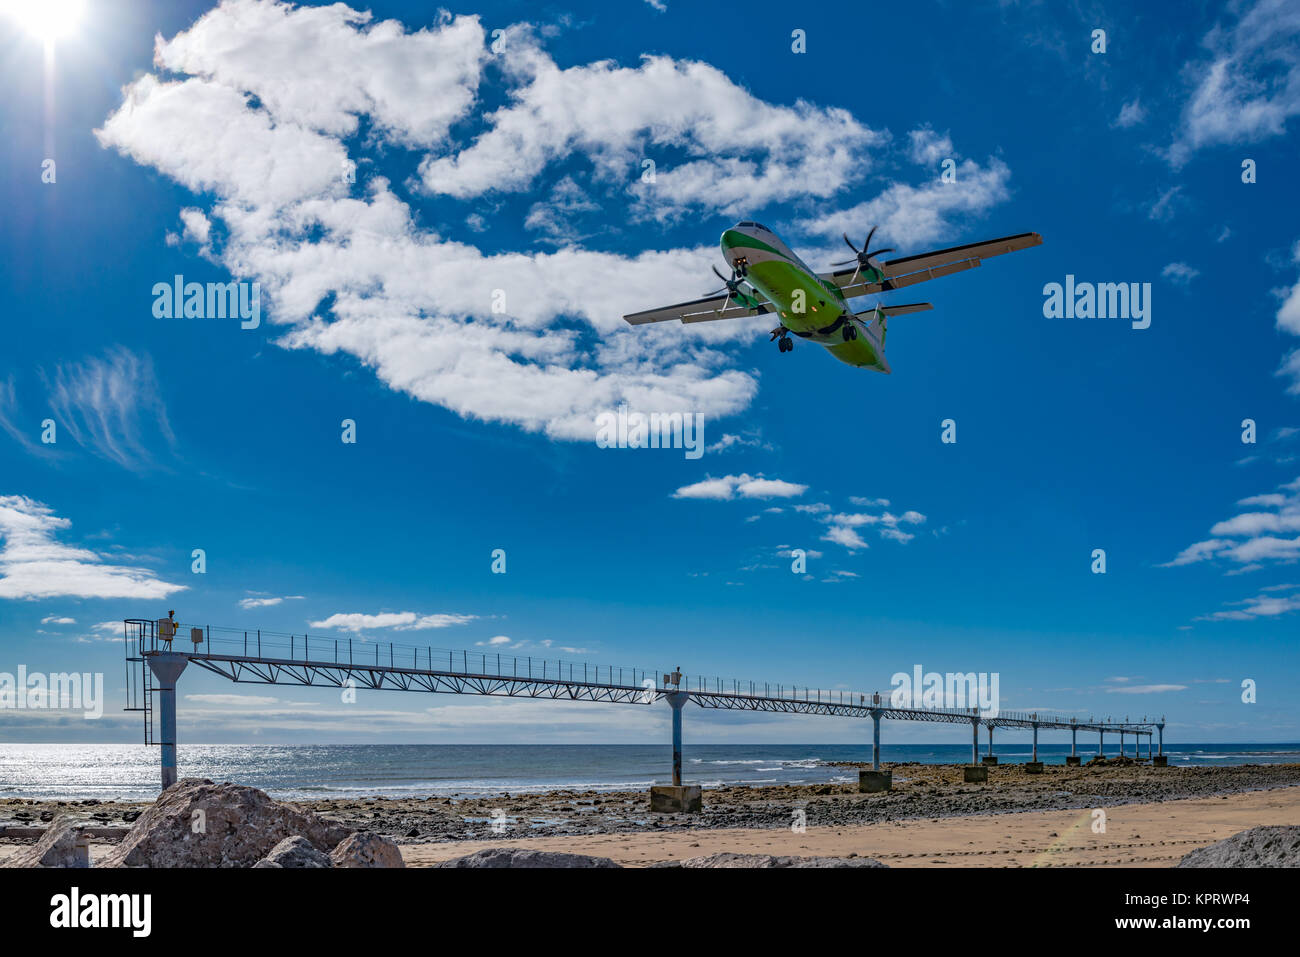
(1136, 835)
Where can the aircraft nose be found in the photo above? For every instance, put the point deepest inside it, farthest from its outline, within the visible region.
(732, 238)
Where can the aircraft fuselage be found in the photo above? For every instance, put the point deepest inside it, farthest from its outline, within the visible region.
(808, 307)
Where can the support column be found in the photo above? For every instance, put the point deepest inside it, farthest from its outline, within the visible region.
(990, 758)
(677, 797)
(975, 742)
(1072, 759)
(1160, 760)
(1101, 742)
(869, 782)
(1034, 766)
(676, 701)
(167, 667)
(1121, 743)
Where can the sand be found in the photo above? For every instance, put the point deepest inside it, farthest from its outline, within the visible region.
(1136, 835)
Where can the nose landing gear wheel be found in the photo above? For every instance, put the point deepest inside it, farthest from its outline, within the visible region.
(784, 345)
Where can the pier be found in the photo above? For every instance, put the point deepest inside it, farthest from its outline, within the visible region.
(154, 664)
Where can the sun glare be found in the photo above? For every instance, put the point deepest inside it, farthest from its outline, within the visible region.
(47, 20)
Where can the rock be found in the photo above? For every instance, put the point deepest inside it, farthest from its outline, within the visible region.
(64, 844)
(729, 859)
(366, 850)
(295, 852)
(1274, 846)
(525, 857)
(196, 823)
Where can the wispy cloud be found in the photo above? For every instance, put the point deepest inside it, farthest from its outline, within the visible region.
(744, 486)
(397, 620)
(112, 407)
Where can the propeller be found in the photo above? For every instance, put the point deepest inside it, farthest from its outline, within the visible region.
(863, 256)
(731, 286)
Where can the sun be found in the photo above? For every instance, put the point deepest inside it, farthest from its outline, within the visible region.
(47, 20)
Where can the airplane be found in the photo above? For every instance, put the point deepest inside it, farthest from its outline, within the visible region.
(767, 277)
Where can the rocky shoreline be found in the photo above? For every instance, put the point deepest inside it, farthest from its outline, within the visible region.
(919, 792)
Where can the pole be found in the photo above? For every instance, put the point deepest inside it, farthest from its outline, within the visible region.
(875, 740)
(1074, 741)
(990, 740)
(1161, 729)
(167, 667)
(975, 741)
(1101, 742)
(676, 701)
(1035, 742)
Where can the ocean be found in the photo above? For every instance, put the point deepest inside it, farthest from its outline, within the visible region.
(130, 772)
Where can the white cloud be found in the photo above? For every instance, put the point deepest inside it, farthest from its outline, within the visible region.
(263, 122)
(1252, 538)
(266, 602)
(398, 620)
(1130, 114)
(34, 565)
(843, 526)
(1250, 86)
(111, 406)
(1180, 274)
(745, 485)
(53, 620)
(928, 148)
(1146, 689)
(844, 535)
(1288, 321)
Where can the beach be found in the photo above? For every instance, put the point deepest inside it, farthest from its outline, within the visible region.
(1152, 816)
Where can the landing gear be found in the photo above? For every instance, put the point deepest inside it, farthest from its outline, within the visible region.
(784, 344)
(849, 332)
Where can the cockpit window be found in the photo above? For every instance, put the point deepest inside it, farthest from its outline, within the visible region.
(750, 222)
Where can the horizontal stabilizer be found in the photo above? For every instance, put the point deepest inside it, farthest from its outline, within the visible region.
(900, 310)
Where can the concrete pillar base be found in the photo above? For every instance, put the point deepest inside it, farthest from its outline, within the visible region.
(1073, 760)
(975, 774)
(1033, 767)
(869, 782)
(990, 759)
(676, 799)
(1160, 760)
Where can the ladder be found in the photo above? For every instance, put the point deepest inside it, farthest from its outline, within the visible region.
(140, 639)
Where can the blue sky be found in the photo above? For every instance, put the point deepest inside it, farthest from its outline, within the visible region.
(381, 179)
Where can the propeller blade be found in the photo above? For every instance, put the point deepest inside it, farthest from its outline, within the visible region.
(867, 244)
(845, 263)
(722, 277)
(850, 243)
(887, 249)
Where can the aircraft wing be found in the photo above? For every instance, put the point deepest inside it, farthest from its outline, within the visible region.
(698, 310)
(920, 268)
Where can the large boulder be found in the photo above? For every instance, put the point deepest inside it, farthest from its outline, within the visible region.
(729, 859)
(295, 852)
(525, 857)
(64, 844)
(1271, 846)
(364, 849)
(196, 823)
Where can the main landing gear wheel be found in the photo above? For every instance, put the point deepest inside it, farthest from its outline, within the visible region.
(784, 345)
(850, 332)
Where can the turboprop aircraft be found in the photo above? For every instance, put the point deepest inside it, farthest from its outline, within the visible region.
(767, 277)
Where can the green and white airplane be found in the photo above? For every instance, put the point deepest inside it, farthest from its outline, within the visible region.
(767, 277)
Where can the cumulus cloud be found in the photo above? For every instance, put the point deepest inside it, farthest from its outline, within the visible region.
(843, 526)
(1249, 87)
(268, 111)
(745, 486)
(34, 565)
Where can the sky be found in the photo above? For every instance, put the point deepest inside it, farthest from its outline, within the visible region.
(447, 213)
